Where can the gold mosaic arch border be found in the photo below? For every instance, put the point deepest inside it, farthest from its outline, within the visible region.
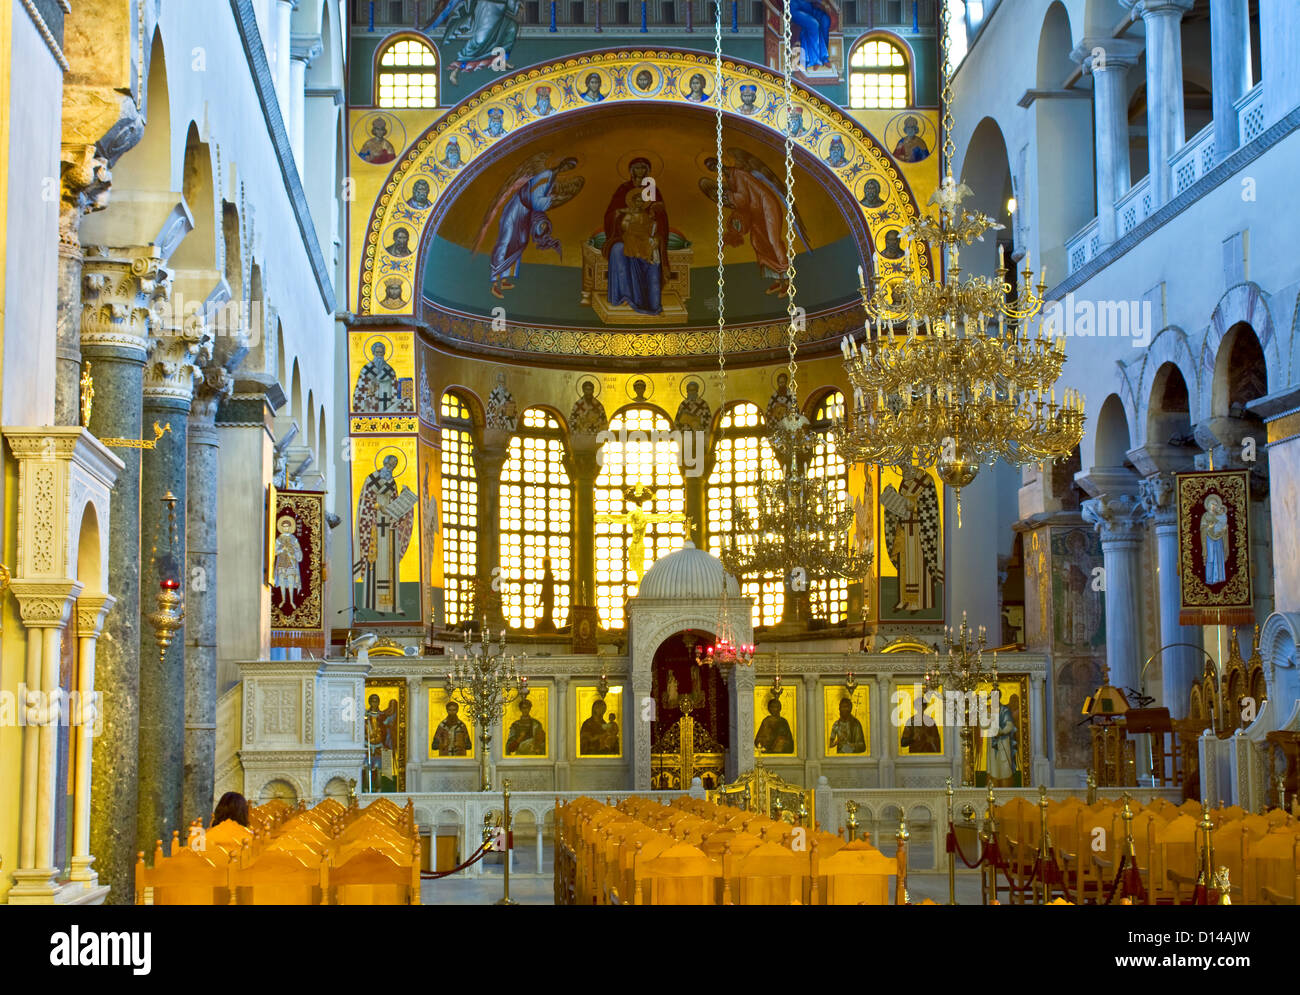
(822, 120)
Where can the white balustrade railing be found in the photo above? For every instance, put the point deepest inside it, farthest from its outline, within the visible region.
(1083, 246)
(1250, 115)
(1134, 207)
(1193, 160)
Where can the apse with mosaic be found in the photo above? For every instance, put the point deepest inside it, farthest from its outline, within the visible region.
(651, 452)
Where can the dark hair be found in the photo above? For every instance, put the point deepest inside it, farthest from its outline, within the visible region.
(233, 806)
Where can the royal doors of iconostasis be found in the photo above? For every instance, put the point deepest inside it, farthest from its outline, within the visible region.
(689, 713)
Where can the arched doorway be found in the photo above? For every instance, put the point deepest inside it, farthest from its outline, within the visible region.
(689, 715)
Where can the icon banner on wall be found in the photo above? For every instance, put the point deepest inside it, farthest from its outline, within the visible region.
(1214, 548)
(298, 570)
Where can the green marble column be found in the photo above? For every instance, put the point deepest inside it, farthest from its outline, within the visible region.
(201, 596)
(168, 394)
(120, 288)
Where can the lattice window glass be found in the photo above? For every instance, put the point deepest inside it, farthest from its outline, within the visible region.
(830, 597)
(536, 521)
(627, 460)
(877, 75)
(408, 75)
(741, 451)
(459, 510)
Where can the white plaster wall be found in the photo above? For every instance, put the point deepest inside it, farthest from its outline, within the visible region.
(32, 227)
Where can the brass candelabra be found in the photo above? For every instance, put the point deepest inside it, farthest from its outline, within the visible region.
(485, 682)
(959, 678)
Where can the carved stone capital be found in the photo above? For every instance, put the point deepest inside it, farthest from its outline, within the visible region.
(92, 609)
(216, 385)
(1118, 518)
(305, 48)
(176, 358)
(122, 292)
(1158, 8)
(1160, 497)
(1103, 54)
(84, 183)
(45, 603)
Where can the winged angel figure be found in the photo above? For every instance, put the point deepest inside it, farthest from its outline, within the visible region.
(756, 199)
(532, 190)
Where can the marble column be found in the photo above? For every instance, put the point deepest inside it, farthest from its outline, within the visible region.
(281, 22)
(560, 737)
(1230, 65)
(91, 610)
(303, 49)
(44, 606)
(740, 693)
(201, 499)
(489, 458)
(174, 358)
(1166, 127)
(1108, 60)
(1279, 26)
(120, 288)
(584, 468)
(1119, 519)
(1180, 666)
(84, 188)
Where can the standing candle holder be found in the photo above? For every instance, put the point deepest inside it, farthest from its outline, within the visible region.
(485, 682)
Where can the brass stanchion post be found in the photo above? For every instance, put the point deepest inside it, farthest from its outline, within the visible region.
(505, 790)
(952, 856)
(1044, 848)
(900, 892)
(852, 806)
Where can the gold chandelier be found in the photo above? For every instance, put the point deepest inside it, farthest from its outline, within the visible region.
(798, 524)
(950, 373)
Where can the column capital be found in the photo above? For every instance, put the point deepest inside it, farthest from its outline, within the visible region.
(1158, 8)
(122, 292)
(1159, 497)
(45, 604)
(1118, 517)
(1101, 54)
(174, 363)
(305, 48)
(214, 386)
(84, 182)
(92, 609)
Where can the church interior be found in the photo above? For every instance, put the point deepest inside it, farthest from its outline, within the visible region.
(663, 452)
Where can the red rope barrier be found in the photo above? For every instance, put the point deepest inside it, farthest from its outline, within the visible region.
(478, 855)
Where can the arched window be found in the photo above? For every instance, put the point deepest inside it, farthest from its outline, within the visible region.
(741, 451)
(830, 596)
(407, 75)
(536, 522)
(628, 459)
(459, 510)
(878, 75)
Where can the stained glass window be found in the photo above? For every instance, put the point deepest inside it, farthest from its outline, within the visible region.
(740, 452)
(459, 510)
(408, 75)
(877, 75)
(536, 521)
(635, 455)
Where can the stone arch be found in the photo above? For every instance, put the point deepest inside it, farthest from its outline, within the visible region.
(1279, 639)
(202, 249)
(309, 415)
(1244, 304)
(144, 170)
(986, 169)
(284, 786)
(322, 444)
(295, 396)
(281, 369)
(424, 156)
(88, 547)
(1112, 440)
(1240, 371)
(1065, 183)
(335, 787)
(1169, 348)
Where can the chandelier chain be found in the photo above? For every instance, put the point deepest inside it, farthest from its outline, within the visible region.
(719, 198)
(791, 309)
